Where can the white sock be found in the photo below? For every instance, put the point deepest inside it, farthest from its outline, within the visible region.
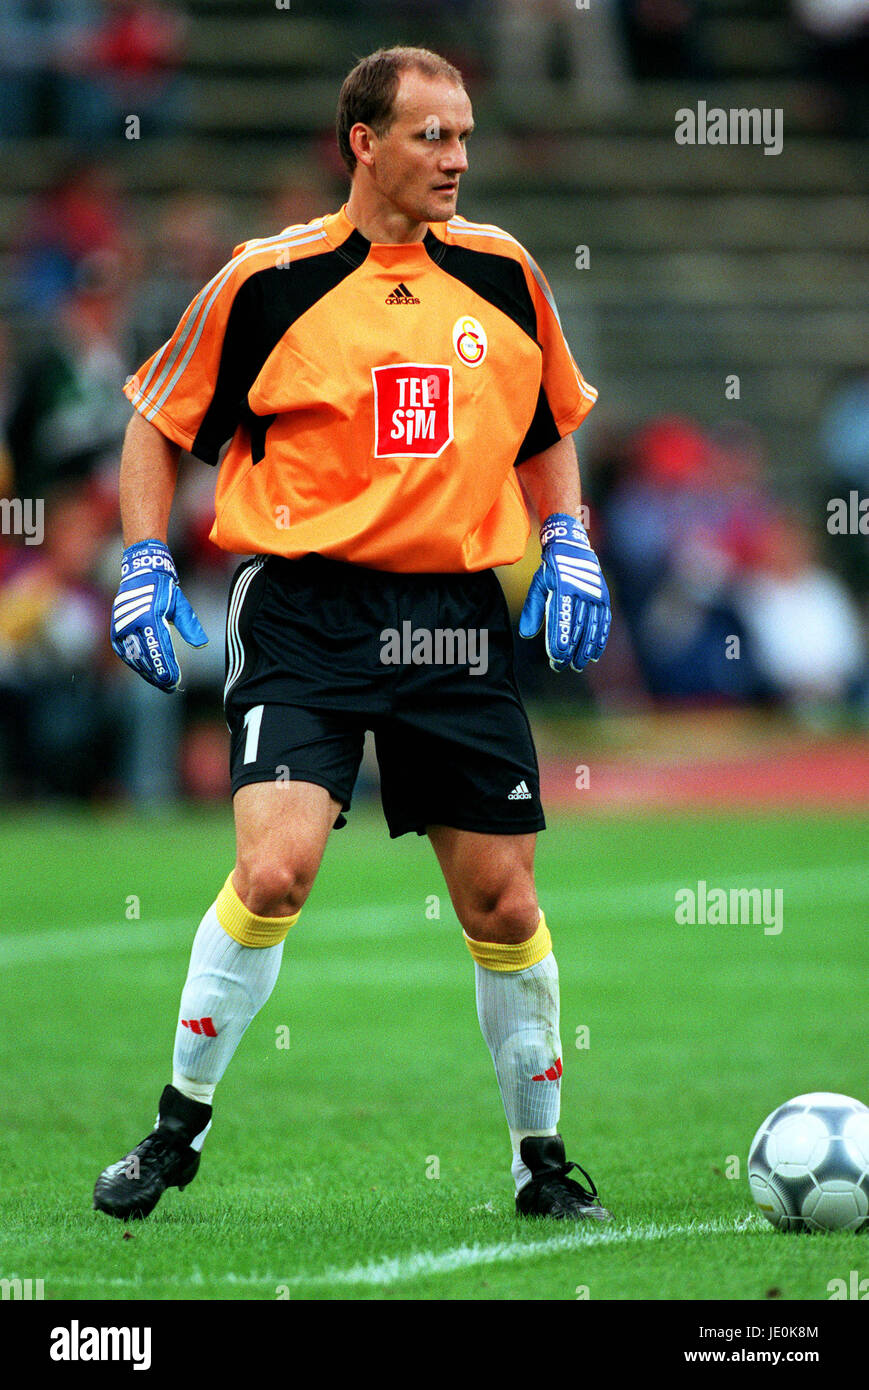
(519, 1016)
(521, 1173)
(227, 984)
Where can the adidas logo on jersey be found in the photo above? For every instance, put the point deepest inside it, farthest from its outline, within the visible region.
(401, 295)
(520, 793)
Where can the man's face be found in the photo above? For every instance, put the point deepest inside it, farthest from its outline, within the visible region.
(419, 160)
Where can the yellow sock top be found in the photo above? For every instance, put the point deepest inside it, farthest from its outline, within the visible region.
(246, 927)
(502, 955)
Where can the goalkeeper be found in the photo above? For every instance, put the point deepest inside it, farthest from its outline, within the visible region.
(395, 391)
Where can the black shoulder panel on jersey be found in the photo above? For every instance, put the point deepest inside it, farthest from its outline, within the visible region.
(266, 305)
(499, 279)
(542, 432)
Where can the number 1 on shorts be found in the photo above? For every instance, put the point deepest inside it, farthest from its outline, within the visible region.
(252, 721)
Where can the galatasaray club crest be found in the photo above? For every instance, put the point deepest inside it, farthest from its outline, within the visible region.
(470, 341)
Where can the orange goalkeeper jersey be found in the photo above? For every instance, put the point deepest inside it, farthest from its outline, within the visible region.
(376, 397)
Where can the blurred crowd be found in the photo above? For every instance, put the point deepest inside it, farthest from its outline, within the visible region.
(79, 68)
(96, 293)
(721, 593)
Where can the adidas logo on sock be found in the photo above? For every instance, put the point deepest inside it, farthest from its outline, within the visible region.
(201, 1025)
(520, 793)
(401, 295)
(551, 1073)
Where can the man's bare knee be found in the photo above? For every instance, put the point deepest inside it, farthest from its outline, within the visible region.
(509, 917)
(271, 888)
(281, 833)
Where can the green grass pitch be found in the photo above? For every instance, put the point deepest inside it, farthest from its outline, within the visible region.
(359, 1149)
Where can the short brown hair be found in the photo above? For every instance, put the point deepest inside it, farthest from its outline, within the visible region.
(368, 92)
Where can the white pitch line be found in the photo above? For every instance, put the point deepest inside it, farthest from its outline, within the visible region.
(388, 920)
(101, 939)
(402, 1268)
(399, 1269)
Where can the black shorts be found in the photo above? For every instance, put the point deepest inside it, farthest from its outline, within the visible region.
(319, 651)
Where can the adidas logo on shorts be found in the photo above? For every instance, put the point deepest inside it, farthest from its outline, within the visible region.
(520, 793)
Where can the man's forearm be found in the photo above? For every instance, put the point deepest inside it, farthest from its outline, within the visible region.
(149, 475)
(550, 480)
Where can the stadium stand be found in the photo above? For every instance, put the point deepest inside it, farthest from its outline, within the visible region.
(685, 243)
(704, 263)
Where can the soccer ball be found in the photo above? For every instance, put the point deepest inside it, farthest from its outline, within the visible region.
(808, 1166)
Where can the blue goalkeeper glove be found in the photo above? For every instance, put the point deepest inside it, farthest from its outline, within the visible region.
(148, 600)
(570, 593)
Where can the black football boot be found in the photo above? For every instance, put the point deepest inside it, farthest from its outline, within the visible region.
(131, 1188)
(551, 1192)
